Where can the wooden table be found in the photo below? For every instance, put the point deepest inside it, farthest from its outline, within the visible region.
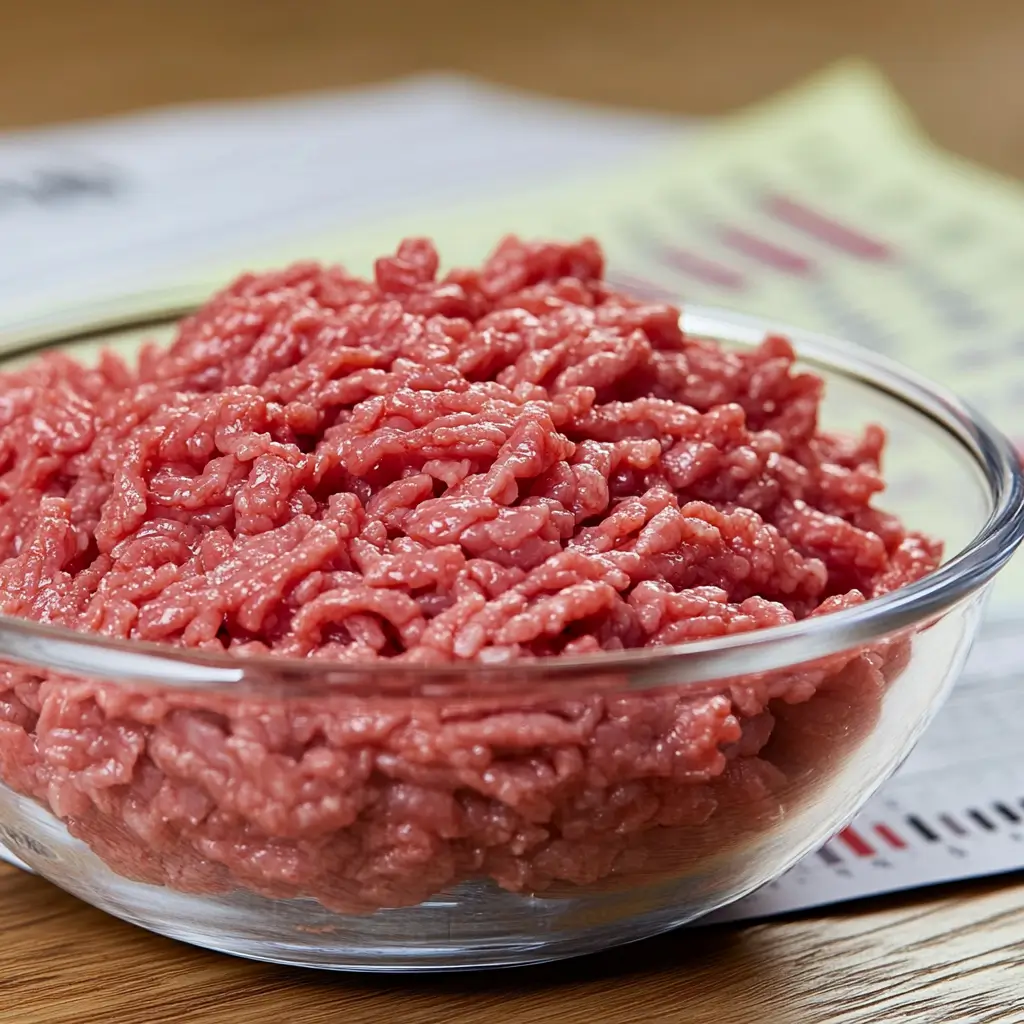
(953, 955)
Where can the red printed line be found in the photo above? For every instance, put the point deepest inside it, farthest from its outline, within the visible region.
(700, 268)
(768, 253)
(895, 841)
(856, 842)
(825, 229)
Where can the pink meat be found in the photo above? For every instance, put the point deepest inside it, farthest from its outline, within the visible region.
(497, 465)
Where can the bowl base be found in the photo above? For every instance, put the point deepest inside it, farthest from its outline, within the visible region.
(475, 925)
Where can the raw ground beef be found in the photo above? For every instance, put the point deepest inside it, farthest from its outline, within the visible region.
(494, 466)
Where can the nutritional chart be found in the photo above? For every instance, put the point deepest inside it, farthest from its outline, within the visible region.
(955, 809)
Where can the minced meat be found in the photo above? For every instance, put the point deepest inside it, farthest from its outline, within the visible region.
(496, 466)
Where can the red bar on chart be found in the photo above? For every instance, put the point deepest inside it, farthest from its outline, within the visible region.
(771, 255)
(895, 841)
(856, 842)
(700, 268)
(824, 229)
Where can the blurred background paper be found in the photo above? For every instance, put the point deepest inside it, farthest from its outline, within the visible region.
(98, 209)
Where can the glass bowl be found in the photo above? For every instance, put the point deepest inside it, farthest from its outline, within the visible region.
(403, 819)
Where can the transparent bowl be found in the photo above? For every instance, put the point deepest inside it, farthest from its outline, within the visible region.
(402, 819)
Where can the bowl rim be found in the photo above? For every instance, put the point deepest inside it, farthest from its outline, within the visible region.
(64, 650)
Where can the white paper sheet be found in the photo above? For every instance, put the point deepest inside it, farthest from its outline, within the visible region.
(100, 209)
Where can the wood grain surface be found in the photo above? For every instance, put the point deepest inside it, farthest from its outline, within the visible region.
(954, 955)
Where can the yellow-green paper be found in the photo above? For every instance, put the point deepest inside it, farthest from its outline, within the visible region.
(920, 254)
